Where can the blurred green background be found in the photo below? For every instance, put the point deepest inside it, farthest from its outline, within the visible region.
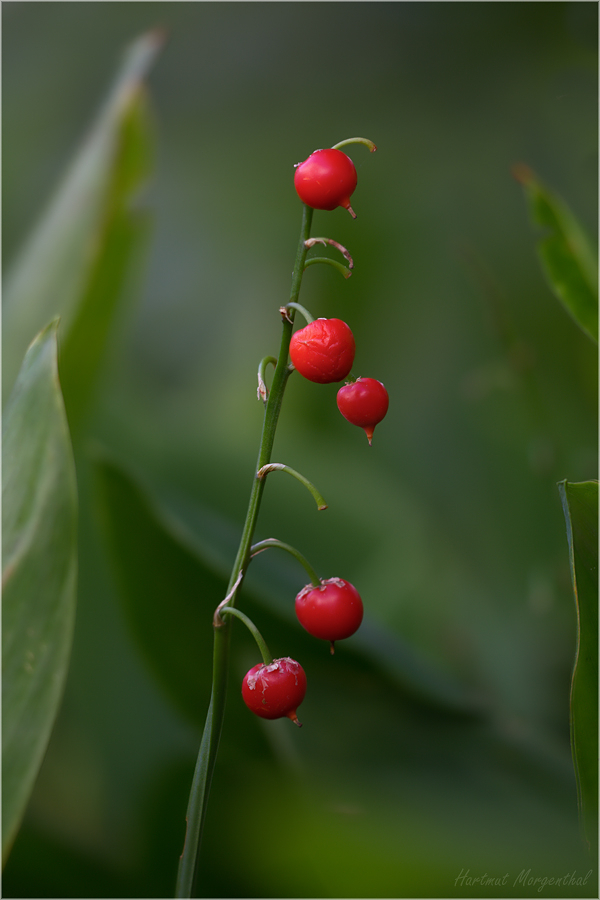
(435, 742)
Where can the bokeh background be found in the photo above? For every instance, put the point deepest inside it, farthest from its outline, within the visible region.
(435, 743)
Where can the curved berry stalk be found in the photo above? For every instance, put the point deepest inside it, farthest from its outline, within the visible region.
(260, 641)
(343, 270)
(346, 271)
(280, 467)
(325, 241)
(301, 309)
(357, 140)
(262, 391)
(273, 542)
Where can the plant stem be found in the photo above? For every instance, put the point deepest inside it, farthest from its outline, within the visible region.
(281, 467)
(344, 270)
(262, 392)
(273, 542)
(264, 650)
(207, 755)
(357, 140)
(300, 308)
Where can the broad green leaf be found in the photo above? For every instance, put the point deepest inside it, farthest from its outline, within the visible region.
(122, 238)
(39, 570)
(172, 563)
(170, 584)
(77, 254)
(566, 253)
(168, 593)
(580, 504)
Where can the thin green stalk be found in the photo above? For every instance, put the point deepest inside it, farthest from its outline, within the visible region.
(300, 308)
(345, 271)
(262, 646)
(281, 467)
(356, 140)
(263, 392)
(207, 755)
(273, 542)
(273, 408)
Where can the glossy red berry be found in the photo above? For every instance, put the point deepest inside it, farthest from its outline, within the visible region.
(276, 690)
(326, 180)
(323, 351)
(364, 402)
(332, 611)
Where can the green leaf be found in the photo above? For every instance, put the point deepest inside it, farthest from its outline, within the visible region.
(39, 570)
(170, 586)
(580, 504)
(171, 560)
(169, 594)
(371, 730)
(568, 259)
(75, 263)
(123, 236)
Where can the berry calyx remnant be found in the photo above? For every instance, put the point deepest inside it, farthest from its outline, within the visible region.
(363, 402)
(275, 690)
(331, 611)
(326, 180)
(323, 351)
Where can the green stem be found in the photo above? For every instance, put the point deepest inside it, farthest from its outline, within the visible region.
(262, 646)
(273, 542)
(331, 243)
(281, 467)
(357, 140)
(262, 391)
(273, 408)
(301, 309)
(207, 755)
(331, 262)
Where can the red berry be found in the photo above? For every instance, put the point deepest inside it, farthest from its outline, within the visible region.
(332, 611)
(323, 351)
(326, 180)
(364, 402)
(276, 690)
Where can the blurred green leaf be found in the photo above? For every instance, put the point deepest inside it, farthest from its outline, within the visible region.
(122, 237)
(375, 749)
(399, 831)
(76, 259)
(169, 594)
(39, 570)
(580, 504)
(171, 560)
(566, 253)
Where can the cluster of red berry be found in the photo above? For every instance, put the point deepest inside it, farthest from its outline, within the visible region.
(323, 352)
(332, 611)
